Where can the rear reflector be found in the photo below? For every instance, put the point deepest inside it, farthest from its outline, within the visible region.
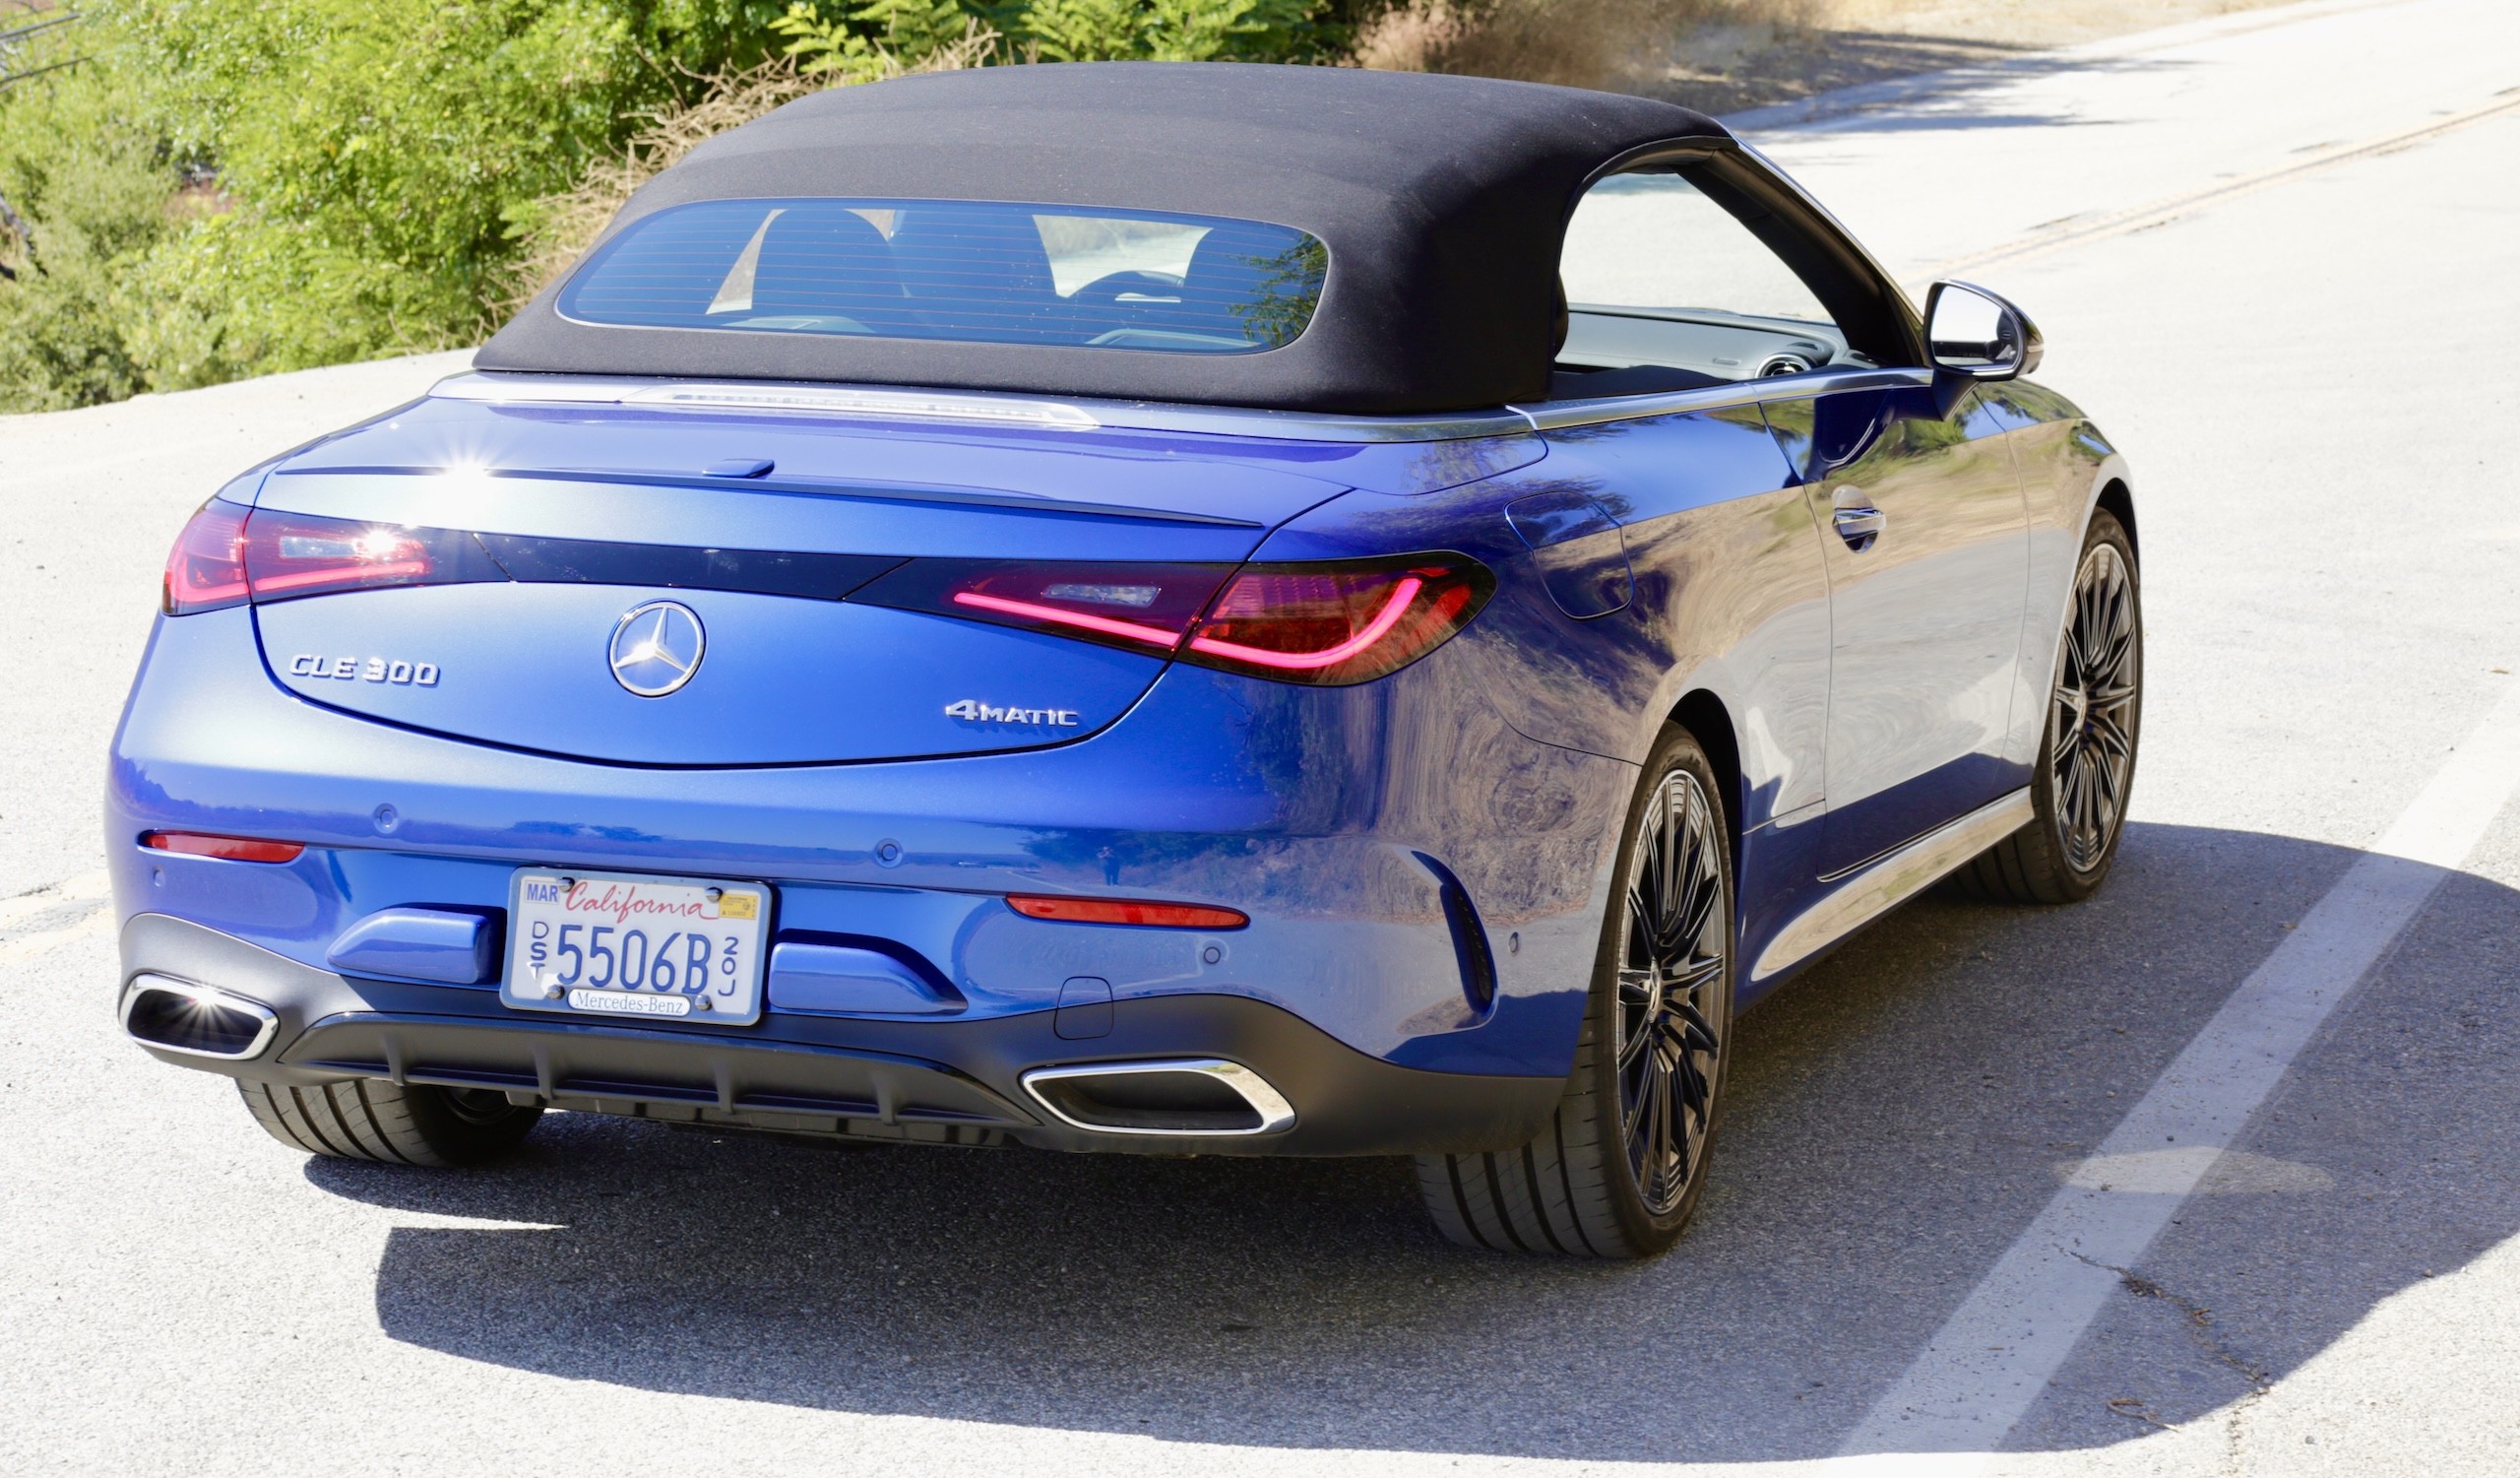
(227, 849)
(1125, 910)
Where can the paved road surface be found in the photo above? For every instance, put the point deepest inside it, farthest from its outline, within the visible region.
(2315, 379)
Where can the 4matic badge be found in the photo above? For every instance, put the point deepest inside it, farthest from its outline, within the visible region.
(973, 712)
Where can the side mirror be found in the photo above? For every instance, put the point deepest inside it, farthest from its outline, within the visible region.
(1971, 330)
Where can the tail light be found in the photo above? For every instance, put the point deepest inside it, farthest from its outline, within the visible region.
(227, 849)
(228, 554)
(1142, 607)
(1338, 624)
(207, 569)
(1314, 624)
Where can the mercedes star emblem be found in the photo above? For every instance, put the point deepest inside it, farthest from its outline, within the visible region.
(656, 648)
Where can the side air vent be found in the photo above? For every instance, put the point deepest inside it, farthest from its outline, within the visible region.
(1204, 1097)
(1477, 963)
(1784, 364)
(207, 1022)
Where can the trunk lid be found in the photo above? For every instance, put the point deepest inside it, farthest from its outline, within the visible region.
(603, 526)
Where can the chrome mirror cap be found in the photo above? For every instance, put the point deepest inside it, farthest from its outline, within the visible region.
(1977, 333)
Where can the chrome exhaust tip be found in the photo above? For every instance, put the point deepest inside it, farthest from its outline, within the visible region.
(1206, 1097)
(204, 1021)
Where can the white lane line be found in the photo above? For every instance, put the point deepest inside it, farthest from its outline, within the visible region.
(80, 889)
(28, 946)
(1956, 1402)
(2170, 208)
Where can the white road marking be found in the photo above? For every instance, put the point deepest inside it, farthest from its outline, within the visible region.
(25, 948)
(80, 889)
(2074, 233)
(1953, 1407)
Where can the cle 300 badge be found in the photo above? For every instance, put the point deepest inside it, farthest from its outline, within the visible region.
(369, 669)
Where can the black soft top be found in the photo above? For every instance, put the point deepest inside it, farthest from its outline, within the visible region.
(1442, 200)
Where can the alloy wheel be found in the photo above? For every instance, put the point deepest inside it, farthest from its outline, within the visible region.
(2093, 710)
(1674, 990)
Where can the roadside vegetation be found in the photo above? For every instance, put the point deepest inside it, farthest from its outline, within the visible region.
(192, 191)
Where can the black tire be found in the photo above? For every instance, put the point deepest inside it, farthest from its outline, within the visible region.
(1578, 1188)
(2064, 854)
(369, 1118)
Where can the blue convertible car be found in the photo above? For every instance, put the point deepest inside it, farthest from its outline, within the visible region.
(1219, 609)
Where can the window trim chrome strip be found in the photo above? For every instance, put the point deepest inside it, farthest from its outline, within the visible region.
(1555, 415)
(972, 407)
(987, 408)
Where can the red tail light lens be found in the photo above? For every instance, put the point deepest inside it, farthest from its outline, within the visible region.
(286, 554)
(228, 554)
(1126, 911)
(227, 849)
(1315, 623)
(1341, 623)
(207, 569)
(1143, 608)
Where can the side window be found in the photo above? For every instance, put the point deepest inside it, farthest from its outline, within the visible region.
(1667, 289)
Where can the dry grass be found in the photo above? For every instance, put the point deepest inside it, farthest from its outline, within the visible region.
(1587, 43)
(1725, 54)
(563, 227)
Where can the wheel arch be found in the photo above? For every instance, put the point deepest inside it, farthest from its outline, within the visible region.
(1707, 719)
(2119, 500)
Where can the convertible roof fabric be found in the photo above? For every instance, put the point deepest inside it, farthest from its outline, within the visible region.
(1442, 200)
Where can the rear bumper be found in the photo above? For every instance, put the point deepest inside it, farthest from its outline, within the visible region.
(942, 1081)
(1332, 818)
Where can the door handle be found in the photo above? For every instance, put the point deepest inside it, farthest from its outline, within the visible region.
(1860, 526)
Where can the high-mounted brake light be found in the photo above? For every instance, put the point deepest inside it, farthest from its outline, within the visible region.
(225, 849)
(1126, 911)
(228, 554)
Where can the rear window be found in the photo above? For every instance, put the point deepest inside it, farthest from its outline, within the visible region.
(972, 271)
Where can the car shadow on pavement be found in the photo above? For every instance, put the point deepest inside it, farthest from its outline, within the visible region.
(1898, 1116)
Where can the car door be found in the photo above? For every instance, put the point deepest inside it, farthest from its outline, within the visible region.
(1927, 553)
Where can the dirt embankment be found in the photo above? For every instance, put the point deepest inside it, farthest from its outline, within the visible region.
(1725, 55)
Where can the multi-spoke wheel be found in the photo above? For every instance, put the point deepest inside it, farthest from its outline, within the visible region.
(1672, 986)
(1619, 1168)
(2087, 756)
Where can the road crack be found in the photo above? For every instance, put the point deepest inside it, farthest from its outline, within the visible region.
(2200, 1327)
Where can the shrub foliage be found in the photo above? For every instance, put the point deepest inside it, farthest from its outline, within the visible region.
(232, 187)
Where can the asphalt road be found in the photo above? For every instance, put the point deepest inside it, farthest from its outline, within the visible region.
(2312, 367)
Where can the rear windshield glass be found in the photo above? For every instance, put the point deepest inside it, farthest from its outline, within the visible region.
(979, 272)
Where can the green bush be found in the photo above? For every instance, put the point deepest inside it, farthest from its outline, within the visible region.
(231, 187)
(857, 41)
(95, 192)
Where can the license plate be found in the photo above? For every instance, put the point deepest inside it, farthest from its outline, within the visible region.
(636, 948)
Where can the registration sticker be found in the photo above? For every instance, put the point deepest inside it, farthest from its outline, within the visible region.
(633, 945)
